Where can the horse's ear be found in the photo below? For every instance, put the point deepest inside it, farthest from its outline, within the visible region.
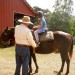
(6, 29)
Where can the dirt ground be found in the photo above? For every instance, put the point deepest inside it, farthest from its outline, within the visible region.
(50, 64)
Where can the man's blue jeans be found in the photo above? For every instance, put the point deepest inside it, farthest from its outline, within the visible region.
(22, 59)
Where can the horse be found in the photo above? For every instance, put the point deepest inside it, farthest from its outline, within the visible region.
(6, 36)
(63, 42)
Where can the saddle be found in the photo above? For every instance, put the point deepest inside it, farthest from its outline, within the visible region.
(46, 36)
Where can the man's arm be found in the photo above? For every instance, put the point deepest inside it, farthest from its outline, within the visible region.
(30, 39)
(39, 26)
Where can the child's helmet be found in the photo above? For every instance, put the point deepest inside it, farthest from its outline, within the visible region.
(39, 14)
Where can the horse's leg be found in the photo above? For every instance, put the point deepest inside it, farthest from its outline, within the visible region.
(68, 64)
(35, 61)
(32, 55)
(63, 62)
(30, 62)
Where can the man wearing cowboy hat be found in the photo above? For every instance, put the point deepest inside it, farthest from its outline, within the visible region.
(23, 39)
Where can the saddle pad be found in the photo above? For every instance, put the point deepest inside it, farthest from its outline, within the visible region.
(47, 36)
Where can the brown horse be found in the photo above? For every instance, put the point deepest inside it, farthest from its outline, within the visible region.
(63, 42)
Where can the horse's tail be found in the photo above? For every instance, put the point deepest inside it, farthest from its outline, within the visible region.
(71, 49)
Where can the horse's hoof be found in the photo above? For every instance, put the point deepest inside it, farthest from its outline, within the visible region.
(30, 71)
(37, 67)
(67, 73)
(36, 71)
(59, 73)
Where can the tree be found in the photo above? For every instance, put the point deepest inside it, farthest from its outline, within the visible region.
(61, 17)
(40, 9)
(63, 6)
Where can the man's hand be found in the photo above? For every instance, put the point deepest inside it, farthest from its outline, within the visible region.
(34, 49)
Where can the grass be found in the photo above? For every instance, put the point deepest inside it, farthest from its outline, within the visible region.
(7, 61)
(7, 53)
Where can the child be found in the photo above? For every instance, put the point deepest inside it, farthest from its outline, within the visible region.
(41, 27)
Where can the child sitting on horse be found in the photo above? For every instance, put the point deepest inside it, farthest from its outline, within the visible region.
(41, 27)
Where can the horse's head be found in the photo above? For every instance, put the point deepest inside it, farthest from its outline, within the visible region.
(5, 36)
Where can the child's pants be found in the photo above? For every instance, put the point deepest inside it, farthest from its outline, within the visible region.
(36, 33)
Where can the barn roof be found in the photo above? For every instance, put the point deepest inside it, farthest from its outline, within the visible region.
(29, 6)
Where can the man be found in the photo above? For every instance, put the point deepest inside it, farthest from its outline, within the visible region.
(41, 27)
(23, 39)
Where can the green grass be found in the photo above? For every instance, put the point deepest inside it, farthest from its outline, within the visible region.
(7, 61)
(7, 53)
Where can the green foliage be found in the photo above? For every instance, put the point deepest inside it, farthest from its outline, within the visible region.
(40, 9)
(73, 28)
(61, 22)
(60, 19)
(63, 6)
(71, 24)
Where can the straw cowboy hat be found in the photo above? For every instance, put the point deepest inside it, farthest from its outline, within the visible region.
(25, 19)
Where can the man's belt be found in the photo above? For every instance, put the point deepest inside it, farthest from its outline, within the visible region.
(22, 45)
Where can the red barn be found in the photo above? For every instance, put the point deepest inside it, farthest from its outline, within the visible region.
(10, 8)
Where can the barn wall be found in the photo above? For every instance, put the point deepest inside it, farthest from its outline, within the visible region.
(20, 6)
(7, 9)
(6, 14)
(0, 18)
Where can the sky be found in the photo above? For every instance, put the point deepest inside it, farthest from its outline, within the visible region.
(47, 4)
